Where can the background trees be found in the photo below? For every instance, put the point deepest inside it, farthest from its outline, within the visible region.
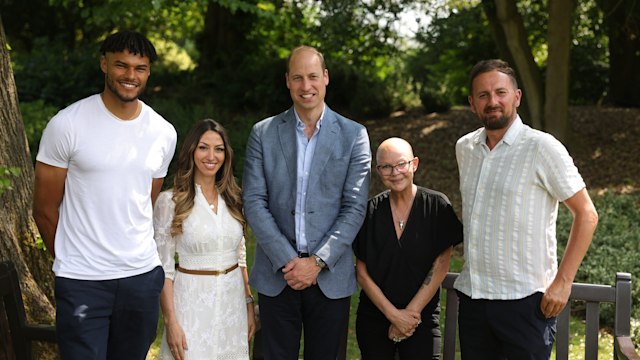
(623, 27)
(230, 52)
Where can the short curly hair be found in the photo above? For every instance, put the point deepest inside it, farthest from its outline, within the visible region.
(132, 41)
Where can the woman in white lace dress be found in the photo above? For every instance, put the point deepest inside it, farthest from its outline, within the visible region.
(206, 301)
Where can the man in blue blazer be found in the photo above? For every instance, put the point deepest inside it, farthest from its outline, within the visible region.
(305, 184)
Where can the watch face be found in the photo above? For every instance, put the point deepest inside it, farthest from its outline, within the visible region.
(319, 262)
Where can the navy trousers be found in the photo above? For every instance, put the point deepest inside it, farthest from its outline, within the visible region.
(283, 317)
(107, 319)
(504, 329)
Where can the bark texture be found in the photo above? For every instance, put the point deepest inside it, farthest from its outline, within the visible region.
(511, 39)
(18, 232)
(556, 105)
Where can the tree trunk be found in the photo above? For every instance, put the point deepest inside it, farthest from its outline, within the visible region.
(223, 38)
(623, 25)
(511, 39)
(556, 106)
(17, 228)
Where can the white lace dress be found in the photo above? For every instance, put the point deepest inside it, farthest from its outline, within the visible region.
(211, 309)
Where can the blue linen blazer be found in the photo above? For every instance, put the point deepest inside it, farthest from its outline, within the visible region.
(335, 205)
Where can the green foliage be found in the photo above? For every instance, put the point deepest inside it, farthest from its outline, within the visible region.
(35, 115)
(373, 70)
(40, 243)
(535, 17)
(184, 115)
(615, 246)
(362, 48)
(362, 93)
(448, 48)
(56, 74)
(169, 19)
(459, 36)
(589, 55)
(365, 77)
(6, 173)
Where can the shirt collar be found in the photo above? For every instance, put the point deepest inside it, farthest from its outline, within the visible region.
(510, 137)
(300, 124)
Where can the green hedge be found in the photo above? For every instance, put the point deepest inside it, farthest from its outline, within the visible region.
(615, 247)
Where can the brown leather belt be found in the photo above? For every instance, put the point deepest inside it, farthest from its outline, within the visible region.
(207, 272)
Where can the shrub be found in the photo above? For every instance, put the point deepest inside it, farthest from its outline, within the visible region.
(615, 247)
(184, 115)
(57, 74)
(35, 116)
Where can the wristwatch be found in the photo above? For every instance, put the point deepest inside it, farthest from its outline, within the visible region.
(250, 299)
(319, 262)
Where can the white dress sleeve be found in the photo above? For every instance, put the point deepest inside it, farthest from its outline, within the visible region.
(162, 217)
(242, 253)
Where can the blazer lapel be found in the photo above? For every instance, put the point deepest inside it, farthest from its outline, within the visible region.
(327, 137)
(288, 143)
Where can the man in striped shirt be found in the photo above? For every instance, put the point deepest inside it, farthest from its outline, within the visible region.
(512, 178)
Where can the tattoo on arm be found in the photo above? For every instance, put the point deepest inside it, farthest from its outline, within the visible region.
(427, 279)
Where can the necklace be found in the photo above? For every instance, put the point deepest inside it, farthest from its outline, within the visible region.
(212, 204)
(213, 196)
(402, 221)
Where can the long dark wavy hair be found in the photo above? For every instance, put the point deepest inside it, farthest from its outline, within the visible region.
(184, 190)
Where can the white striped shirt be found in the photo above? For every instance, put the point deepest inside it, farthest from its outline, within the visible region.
(509, 208)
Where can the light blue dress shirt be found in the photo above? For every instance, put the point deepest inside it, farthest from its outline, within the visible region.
(306, 148)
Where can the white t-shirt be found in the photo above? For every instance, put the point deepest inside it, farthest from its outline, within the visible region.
(509, 208)
(105, 229)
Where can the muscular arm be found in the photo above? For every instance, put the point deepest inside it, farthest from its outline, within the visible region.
(47, 197)
(585, 220)
(156, 186)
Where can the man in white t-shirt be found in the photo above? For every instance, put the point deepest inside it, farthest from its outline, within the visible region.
(511, 180)
(100, 167)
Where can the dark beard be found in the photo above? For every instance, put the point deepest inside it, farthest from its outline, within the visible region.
(495, 123)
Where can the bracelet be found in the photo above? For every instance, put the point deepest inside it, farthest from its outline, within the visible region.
(249, 299)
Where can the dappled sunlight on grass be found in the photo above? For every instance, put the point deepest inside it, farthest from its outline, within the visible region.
(577, 342)
(155, 347)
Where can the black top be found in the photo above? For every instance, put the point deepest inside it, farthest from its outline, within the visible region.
(400, 266)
